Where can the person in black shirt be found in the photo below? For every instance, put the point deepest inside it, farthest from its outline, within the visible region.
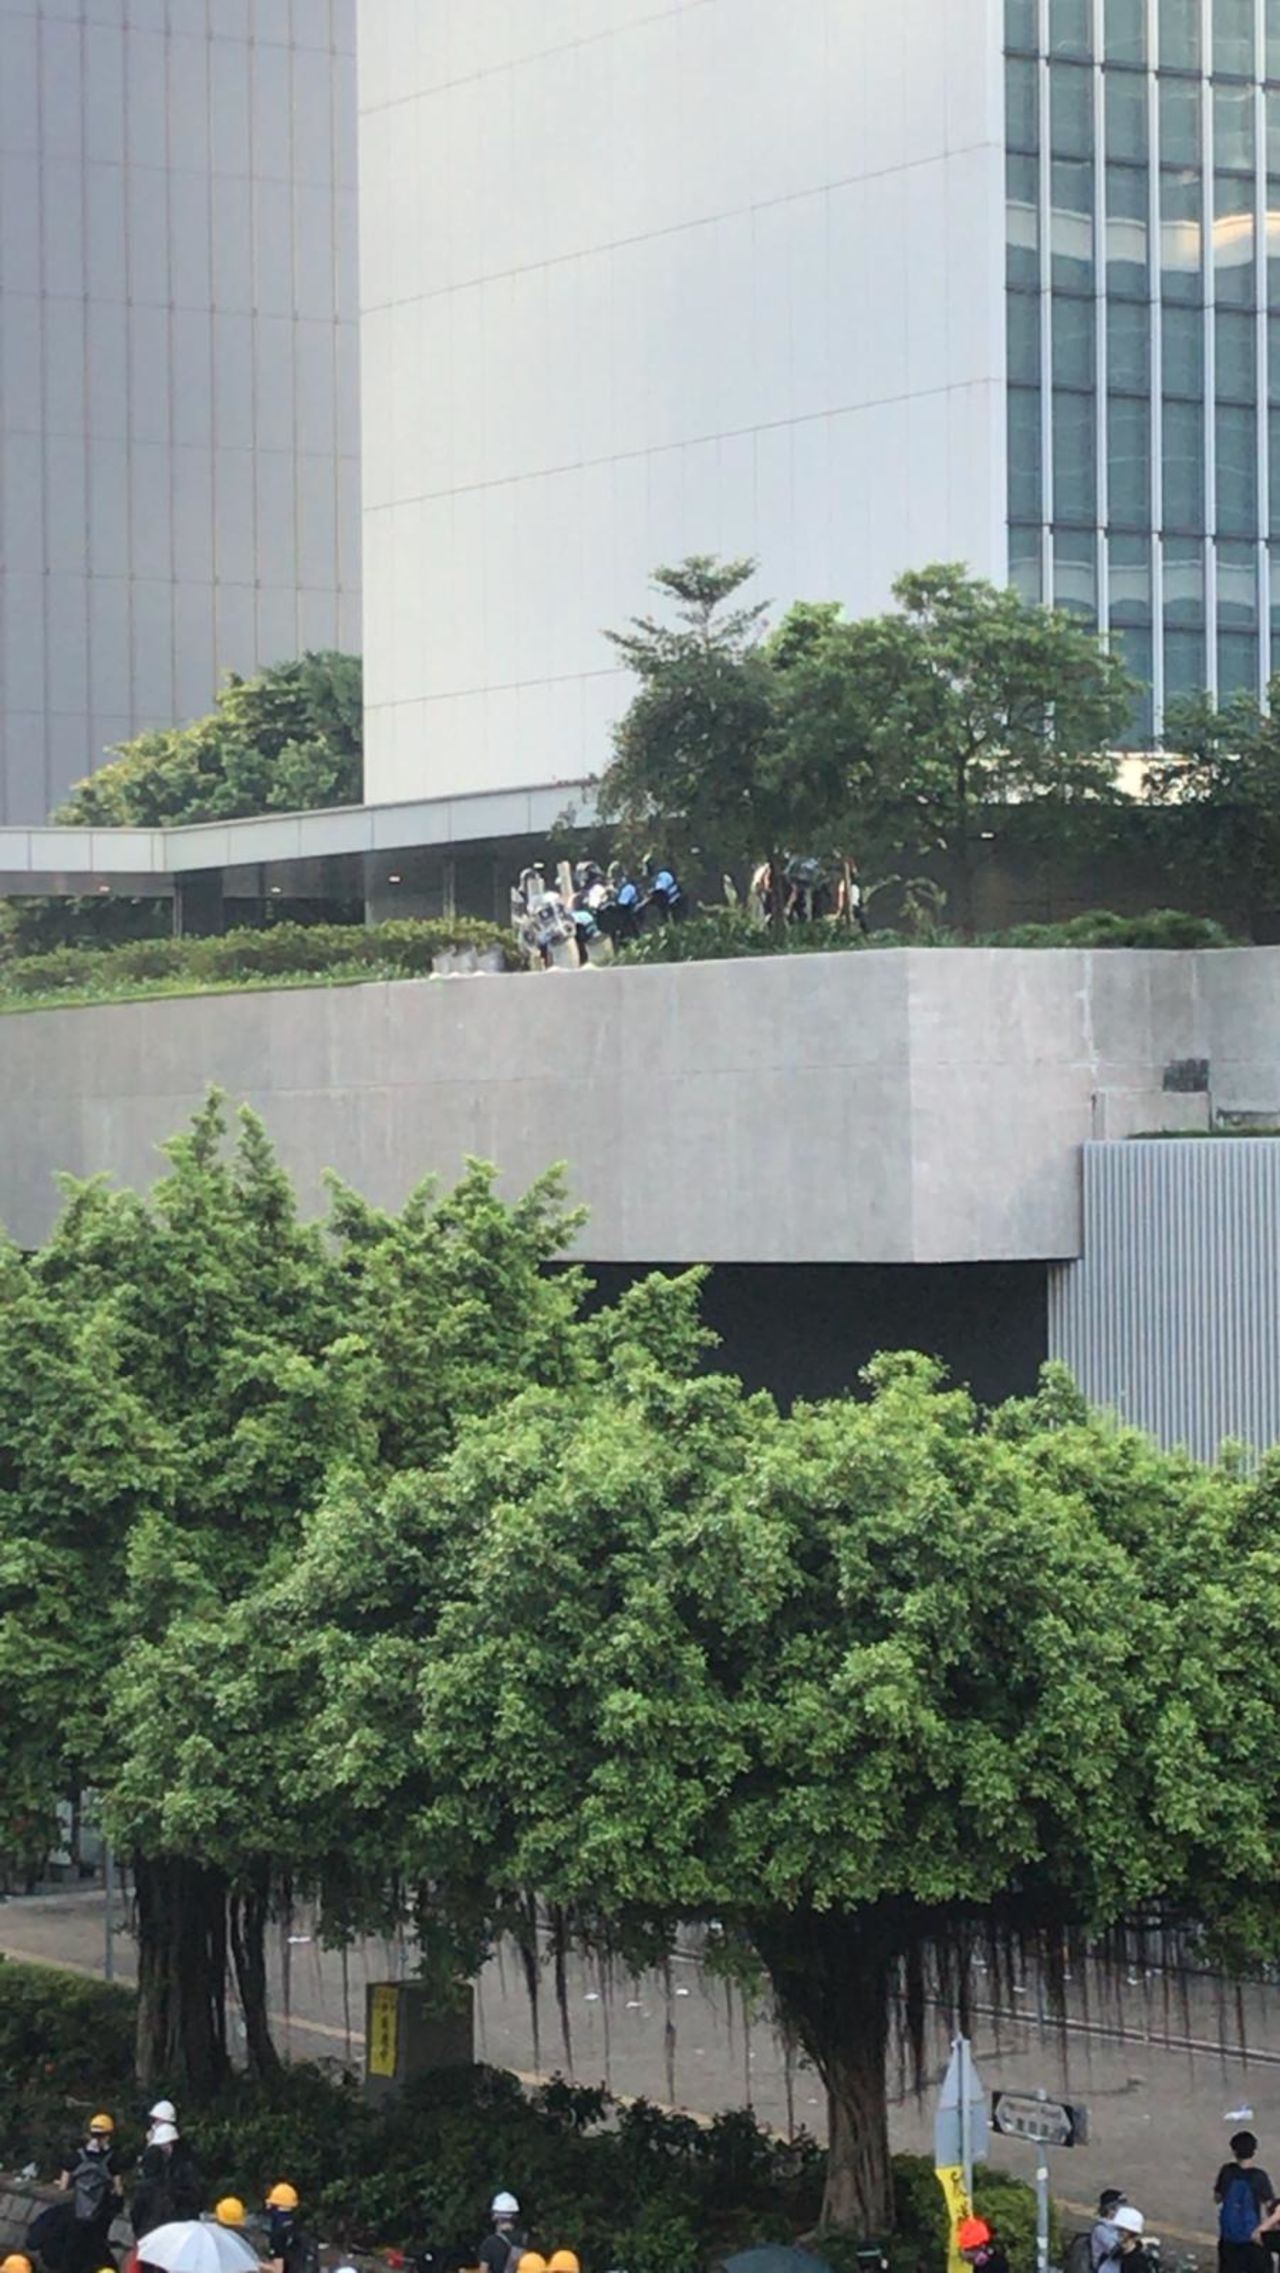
(1245, 2197)
(500, 2251)
(89, 2176)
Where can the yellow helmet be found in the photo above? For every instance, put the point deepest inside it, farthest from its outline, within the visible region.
(16, 2263)
(532, 2262)
(101, 2126)
(563, 2261)
(282, 2197)
(229, 2211)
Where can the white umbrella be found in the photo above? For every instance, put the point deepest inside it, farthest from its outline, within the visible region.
(197, 2245)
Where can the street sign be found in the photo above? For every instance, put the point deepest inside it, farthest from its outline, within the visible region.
(960, 2124)
(1044, 2122)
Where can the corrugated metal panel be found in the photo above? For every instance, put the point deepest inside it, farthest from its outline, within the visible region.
(1172, 1315)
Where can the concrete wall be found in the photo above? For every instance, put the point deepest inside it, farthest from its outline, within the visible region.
(642, 278)
(179, 421)
(889, 1107)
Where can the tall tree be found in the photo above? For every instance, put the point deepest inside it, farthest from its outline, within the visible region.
(1217, 782)
(960, 702)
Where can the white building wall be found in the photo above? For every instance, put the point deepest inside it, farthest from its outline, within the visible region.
(649, 277)
(179, 419)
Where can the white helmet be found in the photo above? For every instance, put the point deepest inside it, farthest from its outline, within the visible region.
(164, 2111)
(163, 2134)
(504, 2206)
(1129, 2220)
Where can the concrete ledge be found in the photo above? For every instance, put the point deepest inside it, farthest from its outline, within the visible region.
(896, 1106)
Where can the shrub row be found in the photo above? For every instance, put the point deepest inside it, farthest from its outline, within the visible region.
(282, 950)
(722, 934)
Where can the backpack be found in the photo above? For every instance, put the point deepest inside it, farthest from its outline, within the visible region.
(91, 2190)
(1079, 2257)
(514, 2255)
(301, 2253)
(1239, 2216)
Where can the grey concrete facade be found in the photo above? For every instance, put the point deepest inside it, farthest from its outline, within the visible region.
(179, 413)
(891, 1107)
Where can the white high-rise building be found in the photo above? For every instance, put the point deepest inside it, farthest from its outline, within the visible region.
(179, 485)
(649, 277)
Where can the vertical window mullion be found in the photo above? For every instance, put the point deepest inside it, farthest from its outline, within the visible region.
(1210, 291)
(1155, 355)
(1263, 429)
(1046, 317)
(1102, 452)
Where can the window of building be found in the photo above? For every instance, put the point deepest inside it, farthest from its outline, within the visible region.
(1180, 122)
(1074, 351)
(1184, 618)
(1128, 346)
(1273, 241)
(1069, 27)
(1025, 501)
(1126, 115)
(1075, 575)
(1130, 617)
(1181, 235)
(1234, 113)
(1183, 426)
(1233, 239)
(1237, 619)
(1126, 31)
(1273, 469)
(1183, 338)
(1074, 446)
(1180, 35)
(1273, 40)
(1021, 103)
(1236, 356)
(1129, 461)
(1273, 359)
(1128, 272)
(1272, 107)
(1024, 339)
(1233, 37)
(1024, 564)
(1071, 224)
(1022, 222)
(1070, 110)
(1020, 25)
(1236, 457)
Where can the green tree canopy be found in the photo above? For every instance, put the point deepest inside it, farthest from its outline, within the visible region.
(287, 740)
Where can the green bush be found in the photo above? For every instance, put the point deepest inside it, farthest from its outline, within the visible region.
(730, 932)
(66, 2048)
(279, 951)
(1160, 927)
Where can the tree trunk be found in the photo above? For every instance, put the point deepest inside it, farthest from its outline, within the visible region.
(248, 1923)
(833, 1976)
(182, 1977)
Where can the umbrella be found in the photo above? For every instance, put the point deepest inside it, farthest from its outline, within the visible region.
(197, 2245)
(775, 2257)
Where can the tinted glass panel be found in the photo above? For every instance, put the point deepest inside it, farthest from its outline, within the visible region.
(1128, 347)
(1129, 461)
(1074, 489)
(1126, 22)
(1233, 239)
(1273, 242)
(1024, 563)
(1180, 122)
(1183, 583)
(1024, 339)
(1236, 356)
(1273, 129)
(1021, 104)
(1233, 124)
(1129, 578)
(1134, 650)
(1237, 663)
(1020, 24)
(1071, 223)
(1184, 671)
(1181, 234)
(1183, 352)
(1238, 587)
(1273, 430)
(1024, 454)
(1183, 466)
(1273, 40)
(1233, 36)
(1273, 359)
(1180, 35)
(1022, 222)
(1069, 27)
(1127, 271)
(1074, 363)
(1070, 110)
(1075, 576)
(1126, 97)
(1236, 444)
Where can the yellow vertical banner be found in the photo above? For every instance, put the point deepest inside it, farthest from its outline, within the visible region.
(384, 2028)
(951, 2180)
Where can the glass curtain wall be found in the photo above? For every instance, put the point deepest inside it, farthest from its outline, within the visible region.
(1143, 272)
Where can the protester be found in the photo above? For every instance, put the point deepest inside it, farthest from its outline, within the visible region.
(1245, 2197)
(1104, 2239)
(90, 2177)
(290, 2248)
(229, 2211)
(501, 2250)
(169, 2182)
(563, 2261)
(977, 2244)
(16, 2262)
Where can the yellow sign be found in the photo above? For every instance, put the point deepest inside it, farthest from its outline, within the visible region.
(384, 2029)
(959, 2206)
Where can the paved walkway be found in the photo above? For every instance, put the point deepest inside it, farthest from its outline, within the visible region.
(1164, 2085)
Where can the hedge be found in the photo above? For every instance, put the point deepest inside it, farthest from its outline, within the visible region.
(724, 933)
(283, 950)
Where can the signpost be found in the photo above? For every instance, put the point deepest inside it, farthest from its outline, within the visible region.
(960, 2132)
(1044, 2123)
